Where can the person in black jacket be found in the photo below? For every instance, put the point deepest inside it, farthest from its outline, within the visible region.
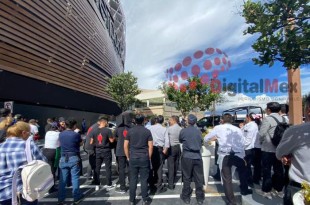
(90, 150)
(120, 134)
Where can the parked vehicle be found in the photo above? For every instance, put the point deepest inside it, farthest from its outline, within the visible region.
(209, 121)
(112, 125)
(239, 113)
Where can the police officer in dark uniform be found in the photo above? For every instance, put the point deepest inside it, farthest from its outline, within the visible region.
(138, 147)
(192, 167)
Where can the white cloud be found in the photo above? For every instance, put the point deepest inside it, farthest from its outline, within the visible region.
(304, 71)
(160, 32)
(241, 99)
(284, 75)
(305, 79)
(305, 82)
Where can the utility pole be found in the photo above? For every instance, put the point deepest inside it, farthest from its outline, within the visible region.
(295, 99)
(294, 88)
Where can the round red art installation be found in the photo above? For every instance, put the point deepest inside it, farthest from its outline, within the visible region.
(207, 64)
(198, 54)
(217, 61)
(175, 78)
(195, 70)
(209, 51)
(187, 61)
(204, 79)
(215, 74)
(184, 75)
(178, 67)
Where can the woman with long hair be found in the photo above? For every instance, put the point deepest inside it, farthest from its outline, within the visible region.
(12, 156)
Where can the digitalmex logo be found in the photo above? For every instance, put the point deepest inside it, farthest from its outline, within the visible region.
(210, 64)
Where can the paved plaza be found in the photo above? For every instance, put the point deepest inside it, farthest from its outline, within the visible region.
(96, 195)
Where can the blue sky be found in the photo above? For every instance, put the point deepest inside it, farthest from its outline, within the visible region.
(161, 33)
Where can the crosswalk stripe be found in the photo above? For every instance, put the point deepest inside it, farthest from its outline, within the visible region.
(177, 184)
(120, 198)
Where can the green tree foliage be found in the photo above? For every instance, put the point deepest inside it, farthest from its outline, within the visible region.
(123, 88)
(283, 31)
(304, 98)
(193, 95)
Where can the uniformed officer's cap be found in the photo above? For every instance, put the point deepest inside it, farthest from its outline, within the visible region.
(192, 119)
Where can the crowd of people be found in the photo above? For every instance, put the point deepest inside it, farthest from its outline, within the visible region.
(142, 148)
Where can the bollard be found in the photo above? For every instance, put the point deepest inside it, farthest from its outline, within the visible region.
(206, 157)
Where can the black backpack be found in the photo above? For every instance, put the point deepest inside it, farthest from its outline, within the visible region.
(279, 131)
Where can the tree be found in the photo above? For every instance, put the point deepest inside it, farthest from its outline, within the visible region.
(123, 88)
(193, 95)
(304, 99)
(283, 29)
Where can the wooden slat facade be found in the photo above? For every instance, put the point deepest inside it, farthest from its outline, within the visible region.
(62, 42)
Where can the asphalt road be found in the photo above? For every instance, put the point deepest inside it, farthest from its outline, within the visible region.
(96, 195)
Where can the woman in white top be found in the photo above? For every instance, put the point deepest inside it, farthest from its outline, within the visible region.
(250, 131)
(50, 146)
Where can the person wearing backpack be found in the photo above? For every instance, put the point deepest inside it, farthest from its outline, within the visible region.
(13, 156)
(272, 185)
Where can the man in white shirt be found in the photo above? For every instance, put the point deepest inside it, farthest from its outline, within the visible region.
(250, 132)
(160, 150)
(284, 111)
(231, 153)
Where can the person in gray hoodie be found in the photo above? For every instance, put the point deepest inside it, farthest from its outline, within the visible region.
(293, 150)
(272, 185)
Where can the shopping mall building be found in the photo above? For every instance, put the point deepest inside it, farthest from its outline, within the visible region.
(56, 55)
